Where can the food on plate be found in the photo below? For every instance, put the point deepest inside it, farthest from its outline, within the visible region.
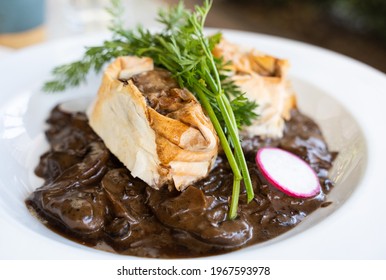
(90, 197)
(287, 172)
(182, 49)
(159, 131)
(163, 162)
(263, 78)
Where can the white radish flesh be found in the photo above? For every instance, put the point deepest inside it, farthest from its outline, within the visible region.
(288, 172)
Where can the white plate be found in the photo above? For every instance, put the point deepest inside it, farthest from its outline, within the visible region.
(346, 98)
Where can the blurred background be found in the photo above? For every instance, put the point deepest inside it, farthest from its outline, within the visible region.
(356, 28)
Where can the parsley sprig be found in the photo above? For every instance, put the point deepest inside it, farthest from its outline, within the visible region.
(183, 49)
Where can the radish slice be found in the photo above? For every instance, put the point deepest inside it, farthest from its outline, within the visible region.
(288, 172)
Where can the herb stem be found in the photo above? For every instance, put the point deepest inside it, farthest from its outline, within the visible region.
(233, 132)
(228, 152)
(213, 78)
(239, 152)
(221, 135)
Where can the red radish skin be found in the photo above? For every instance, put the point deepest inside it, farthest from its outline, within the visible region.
(288, 172)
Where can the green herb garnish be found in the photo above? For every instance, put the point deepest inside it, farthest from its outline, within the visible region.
(183, 49)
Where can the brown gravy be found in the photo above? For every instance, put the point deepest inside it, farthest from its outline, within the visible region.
(90, 197)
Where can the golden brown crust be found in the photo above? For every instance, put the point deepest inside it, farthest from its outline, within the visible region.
(264, 79)
(155, 147)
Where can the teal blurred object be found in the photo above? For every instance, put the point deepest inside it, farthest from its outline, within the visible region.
(21, 15)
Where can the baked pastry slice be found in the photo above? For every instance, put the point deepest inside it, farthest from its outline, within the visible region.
(156, 129)
(263, 78)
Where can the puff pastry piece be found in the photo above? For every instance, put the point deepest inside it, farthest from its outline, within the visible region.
(264, 79)
(156, 129)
